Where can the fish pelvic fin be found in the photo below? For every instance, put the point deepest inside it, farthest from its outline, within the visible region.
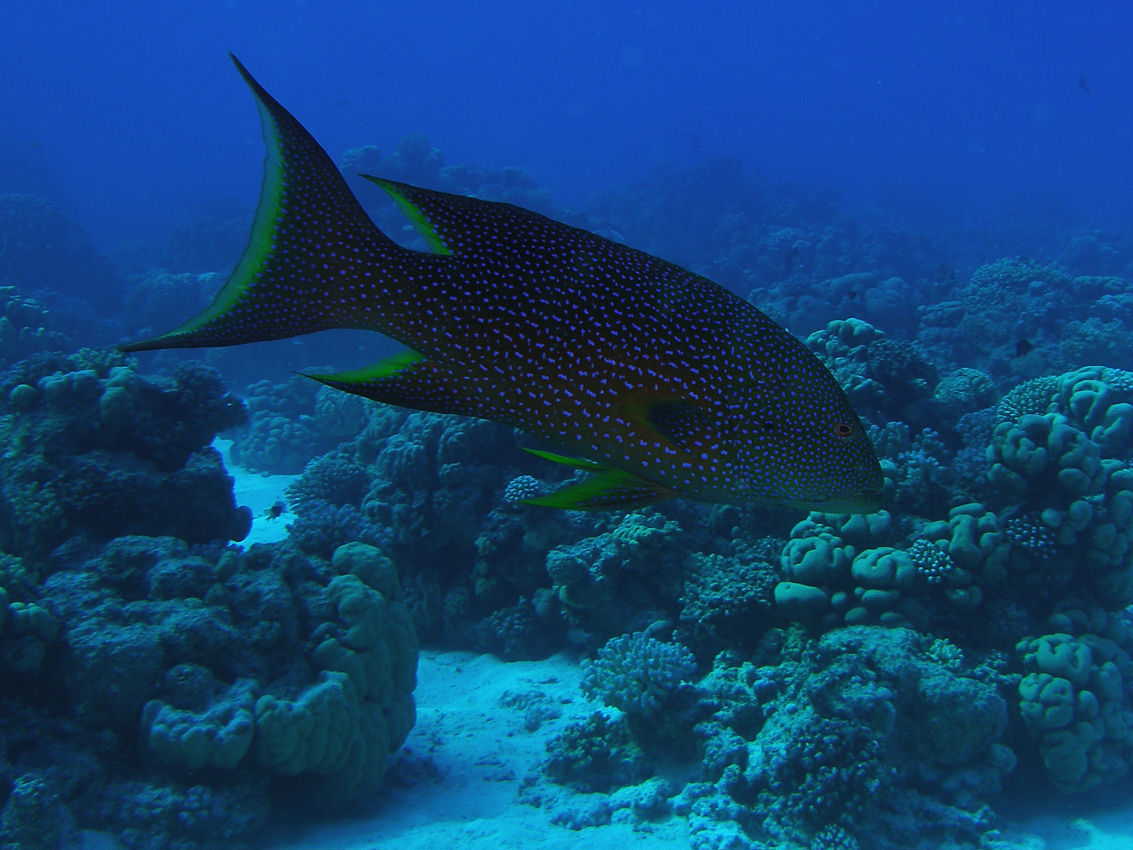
(576, 462)
(310, 246)
(607, 490)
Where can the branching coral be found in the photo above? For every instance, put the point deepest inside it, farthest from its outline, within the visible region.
(637, 673)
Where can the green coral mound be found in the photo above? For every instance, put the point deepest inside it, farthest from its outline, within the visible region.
(338, 732)
(1075, 698)
(217, 737)
(306, 683)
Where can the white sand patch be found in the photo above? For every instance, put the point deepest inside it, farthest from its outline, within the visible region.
(1078, 825)
(483, 751)
(259, 491)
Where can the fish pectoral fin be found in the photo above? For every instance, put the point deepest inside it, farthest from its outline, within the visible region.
(684, 423)
(407, 379)
(610, 490)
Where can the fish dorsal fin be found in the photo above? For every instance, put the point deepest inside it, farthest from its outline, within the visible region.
(684, 423)
(403, 195)
(608, 490)
(455, 224)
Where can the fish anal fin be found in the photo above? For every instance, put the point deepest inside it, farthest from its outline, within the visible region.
(407, 379)
(608, 490)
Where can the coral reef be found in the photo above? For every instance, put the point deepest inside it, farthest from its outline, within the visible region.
(108, 453)
(885, 378)
(26, 326)
(598, 754)
(830, 683)
(1013, 300)
(436, 485)
(327, 499)
(726, 603)
(44, 253)
(290, 425)
(204, 690)
(637, 674)
(865, 736)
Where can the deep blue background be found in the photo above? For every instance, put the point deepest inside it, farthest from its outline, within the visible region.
(131, 115)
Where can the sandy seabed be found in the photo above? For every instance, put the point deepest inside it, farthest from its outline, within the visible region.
(473, 754)
(483, 753)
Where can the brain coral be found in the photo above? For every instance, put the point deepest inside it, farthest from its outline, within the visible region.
(1075, 701)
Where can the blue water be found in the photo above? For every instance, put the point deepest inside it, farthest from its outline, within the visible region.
(958, 111)
(937, 199)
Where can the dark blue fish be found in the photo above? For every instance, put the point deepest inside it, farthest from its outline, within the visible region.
(659, 381)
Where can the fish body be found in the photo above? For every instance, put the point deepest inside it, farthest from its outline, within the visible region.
(658, 381)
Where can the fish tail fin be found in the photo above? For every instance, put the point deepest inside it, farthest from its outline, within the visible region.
(311, 248)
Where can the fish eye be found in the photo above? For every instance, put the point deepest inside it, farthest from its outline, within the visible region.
(843, 429)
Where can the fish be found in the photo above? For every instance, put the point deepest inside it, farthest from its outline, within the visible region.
(652, 382)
